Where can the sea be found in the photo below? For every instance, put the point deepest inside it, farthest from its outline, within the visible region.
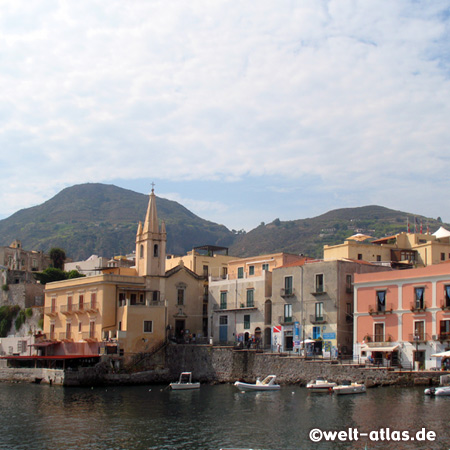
(43, 417)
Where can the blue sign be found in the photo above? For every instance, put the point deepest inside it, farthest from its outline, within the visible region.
(329, 336)
(297, 329)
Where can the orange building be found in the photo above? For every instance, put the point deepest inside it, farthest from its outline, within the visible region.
(403, 317)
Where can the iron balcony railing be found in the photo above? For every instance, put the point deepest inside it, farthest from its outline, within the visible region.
(381, 309)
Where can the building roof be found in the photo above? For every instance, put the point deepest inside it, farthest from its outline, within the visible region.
(441, 233)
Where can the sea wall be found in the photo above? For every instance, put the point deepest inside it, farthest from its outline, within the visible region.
(210, 364)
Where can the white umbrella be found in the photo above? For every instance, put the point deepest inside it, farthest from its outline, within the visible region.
(442, 354)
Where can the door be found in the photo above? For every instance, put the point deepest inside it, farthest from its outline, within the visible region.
(179, 328)
(223, 328)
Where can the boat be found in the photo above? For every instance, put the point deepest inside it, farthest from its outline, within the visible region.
(185, 382)
(268, 384)
(349, 388)
(320, 385)
(438, 391)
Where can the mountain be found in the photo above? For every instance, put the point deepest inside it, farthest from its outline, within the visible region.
(308, 236)
(102, 219)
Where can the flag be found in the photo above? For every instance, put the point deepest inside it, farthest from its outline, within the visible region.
(407, 223)
(416, 225)
(421, 226)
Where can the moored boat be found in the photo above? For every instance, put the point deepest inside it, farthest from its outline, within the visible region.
(320, 385)
(349, 388)
(438, 391)
(185, 382)
(268, 384)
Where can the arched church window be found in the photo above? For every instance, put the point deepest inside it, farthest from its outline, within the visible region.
(141, 251)
(155, 250)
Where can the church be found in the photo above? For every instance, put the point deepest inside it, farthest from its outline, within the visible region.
(124, 310)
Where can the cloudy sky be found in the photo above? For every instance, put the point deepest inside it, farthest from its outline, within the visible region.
(242, 111)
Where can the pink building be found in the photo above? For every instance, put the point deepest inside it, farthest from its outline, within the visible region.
(403, 316)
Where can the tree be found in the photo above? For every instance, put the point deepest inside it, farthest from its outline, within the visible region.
(51, 274)
(58, 257)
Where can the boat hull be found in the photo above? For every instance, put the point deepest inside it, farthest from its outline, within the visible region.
(184, 386)
(439, 391)
(256, 387)
(352, 389)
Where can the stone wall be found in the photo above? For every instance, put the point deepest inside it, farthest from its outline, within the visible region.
(223, 365)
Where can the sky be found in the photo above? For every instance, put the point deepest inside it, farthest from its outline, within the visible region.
(242, 111)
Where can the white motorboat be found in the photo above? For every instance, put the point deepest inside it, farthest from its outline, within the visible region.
(438, 391)
(268, 384)
(349, 388)
(185, 382)
(320, 385)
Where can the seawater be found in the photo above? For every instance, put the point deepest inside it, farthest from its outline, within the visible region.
(41, 417)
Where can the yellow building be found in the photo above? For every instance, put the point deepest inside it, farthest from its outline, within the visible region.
(403, 249)
(122, 310)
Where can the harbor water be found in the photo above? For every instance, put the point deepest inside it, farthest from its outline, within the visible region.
(43, 417)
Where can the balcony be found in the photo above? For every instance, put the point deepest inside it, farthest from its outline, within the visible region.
(418, 337)
(377, 310)
(444, 336)
(88, 336)
(282, 320)
(91, 307)
(445, 306)
(418, 306)
(65, 336)
(318, 319)
(287, 292)
(51, 311)
(377, 338)
(319, 290)
(67, 309)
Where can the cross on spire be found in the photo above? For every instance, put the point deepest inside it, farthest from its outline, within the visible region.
(153, 187)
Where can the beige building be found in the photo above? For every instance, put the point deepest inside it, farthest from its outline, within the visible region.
(204, 261)
(312, 306)
(240, 303)
(122, 310)
(400, 250)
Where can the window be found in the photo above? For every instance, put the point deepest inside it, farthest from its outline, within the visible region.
(268, 312)
(319, 311)
(223, 320)
(442, 256)
(223, 300)
(288, 285)
(378, 258)
(444, 330)
(348, 283)
(122, 299)
(251, 270)
(79, 327)
(250, 298)
(155, 250)
(288, 313)
(205, 271)
(381, 301)
(247, 321)
(447, 296)
(68, 330)
(419, 330)
(69, 303)
(141, 299)
(240, 272)
(265, 267)
(141, 251)
(419, 298)
(319, 283)
(81, 302)
(316, 332)
(148, 326)
(92, 329)
(52, 331)
(379, 332)
(93, 300)
(359, 256)
(155, 296)
(133, 299)
(180, 297)
(224, 272)
(119, 326)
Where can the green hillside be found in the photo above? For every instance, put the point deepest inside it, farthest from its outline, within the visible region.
(102, 219)
(308, 236)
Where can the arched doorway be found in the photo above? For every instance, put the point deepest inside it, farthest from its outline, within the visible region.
(258, 337)
(267, 337)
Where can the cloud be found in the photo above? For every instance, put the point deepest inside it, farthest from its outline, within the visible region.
(349, 94)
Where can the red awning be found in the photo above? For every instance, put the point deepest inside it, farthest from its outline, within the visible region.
(43, 344)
